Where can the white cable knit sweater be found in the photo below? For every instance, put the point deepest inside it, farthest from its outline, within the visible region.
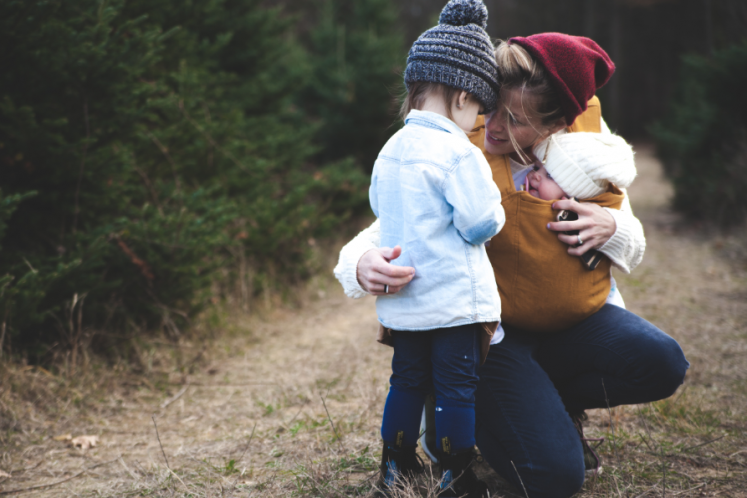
(625, 248)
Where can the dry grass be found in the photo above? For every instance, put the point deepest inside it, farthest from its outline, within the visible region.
(287, 402)
(693, 444)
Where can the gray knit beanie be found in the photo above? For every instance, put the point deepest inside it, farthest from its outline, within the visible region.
(457, 53)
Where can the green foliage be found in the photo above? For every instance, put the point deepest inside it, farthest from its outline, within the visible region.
(703, 137)
(144, 145)
(357, 58)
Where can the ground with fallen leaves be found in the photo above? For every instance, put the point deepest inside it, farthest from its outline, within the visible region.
(287, 401)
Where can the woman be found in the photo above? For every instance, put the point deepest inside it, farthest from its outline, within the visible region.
(534, 386)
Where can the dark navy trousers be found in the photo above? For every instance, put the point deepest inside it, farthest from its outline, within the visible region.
(530, 383)
(445, 361)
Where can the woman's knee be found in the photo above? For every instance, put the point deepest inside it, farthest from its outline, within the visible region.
(664, 364)
(558, 476)
(546, 473)
(673, 368)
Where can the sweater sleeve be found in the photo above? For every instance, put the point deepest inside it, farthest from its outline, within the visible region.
(626, 247)
(346, 270)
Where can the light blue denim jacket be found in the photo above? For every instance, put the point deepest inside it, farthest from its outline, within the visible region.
(434, 194)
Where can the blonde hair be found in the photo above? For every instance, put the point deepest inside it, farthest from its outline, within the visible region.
(419, 91)
(519, 71)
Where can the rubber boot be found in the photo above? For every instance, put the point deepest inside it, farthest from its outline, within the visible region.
(458, 479)
(592, 460)
(398, 465)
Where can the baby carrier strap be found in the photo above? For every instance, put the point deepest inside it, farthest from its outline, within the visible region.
(590, 120)
(542, 287)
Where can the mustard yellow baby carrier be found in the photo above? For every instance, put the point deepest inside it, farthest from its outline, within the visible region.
(542, 287)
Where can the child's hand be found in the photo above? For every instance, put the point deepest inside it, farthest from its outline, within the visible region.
(375, 272)
(595, 225)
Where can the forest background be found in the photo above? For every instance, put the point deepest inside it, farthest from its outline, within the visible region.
(159, 158)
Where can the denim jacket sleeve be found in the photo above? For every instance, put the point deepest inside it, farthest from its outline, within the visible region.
(373, 197)
(470, 190)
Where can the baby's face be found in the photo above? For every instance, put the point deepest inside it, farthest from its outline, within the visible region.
(540, 184)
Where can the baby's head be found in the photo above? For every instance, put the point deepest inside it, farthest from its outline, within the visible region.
(454, 57)
(540, 184)
(580, 165)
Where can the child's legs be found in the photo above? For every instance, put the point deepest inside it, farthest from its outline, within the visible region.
(410, 383)
(455, 355)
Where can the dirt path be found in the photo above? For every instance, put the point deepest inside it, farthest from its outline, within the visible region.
(253, 423)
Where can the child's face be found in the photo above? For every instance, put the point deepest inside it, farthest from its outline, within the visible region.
(542, 186)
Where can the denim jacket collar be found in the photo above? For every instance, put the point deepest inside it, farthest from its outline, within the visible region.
(436, 121)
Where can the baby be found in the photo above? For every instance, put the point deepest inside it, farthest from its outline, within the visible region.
(582, 165)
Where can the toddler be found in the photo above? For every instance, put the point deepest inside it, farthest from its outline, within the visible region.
(434, 195)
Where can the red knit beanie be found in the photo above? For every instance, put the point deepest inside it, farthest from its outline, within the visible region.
(577, 67)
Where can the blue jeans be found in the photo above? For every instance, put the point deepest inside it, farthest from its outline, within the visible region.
(443, 360)
(530, 383)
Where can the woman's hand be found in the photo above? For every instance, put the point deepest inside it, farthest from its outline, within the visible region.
(374, 271)
(595, 225)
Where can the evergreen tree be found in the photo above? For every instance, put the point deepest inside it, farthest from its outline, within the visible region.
(143, 146)
(357, 58)
(703, 137)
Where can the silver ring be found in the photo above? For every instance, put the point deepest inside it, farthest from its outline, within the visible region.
(386, 289)
(580, 242)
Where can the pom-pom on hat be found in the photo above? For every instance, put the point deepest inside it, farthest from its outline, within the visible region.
(584, 164)
(457, 53)
(576, 66)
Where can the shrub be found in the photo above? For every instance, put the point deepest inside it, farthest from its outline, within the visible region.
(145, 144)
(703, 137)
(357, 58)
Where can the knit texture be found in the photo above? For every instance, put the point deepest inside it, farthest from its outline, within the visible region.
(457, 53)
(627, 246)
(576, 65)
(346, 271)
(584, 164)
(463, 12)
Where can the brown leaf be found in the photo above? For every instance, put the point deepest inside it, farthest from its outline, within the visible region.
(4, 474)
(85, 442)
(64, 437)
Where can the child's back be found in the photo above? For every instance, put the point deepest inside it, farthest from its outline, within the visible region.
(434, 195)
